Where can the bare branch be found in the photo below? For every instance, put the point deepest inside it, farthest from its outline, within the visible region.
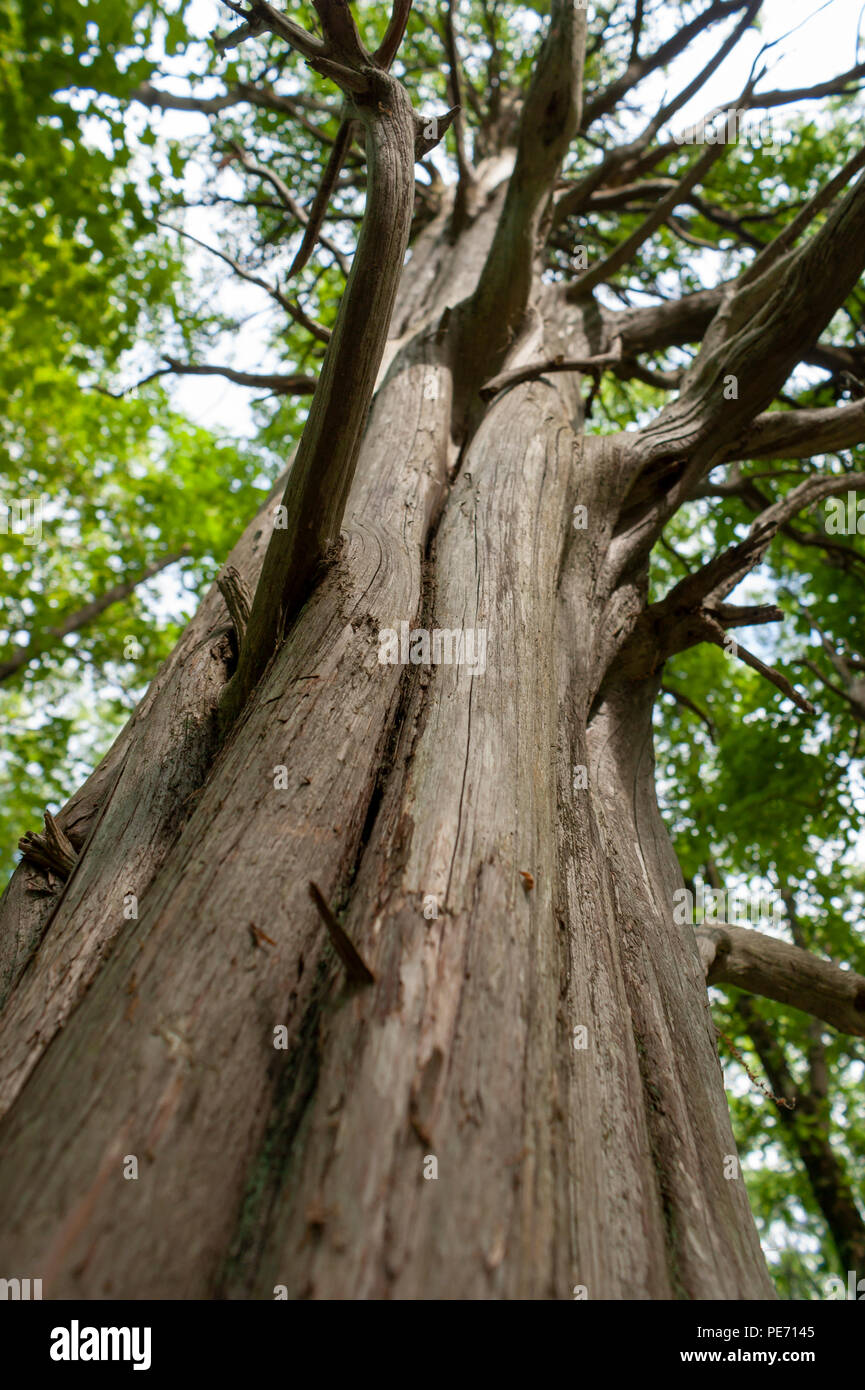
(348, 79)
(755, 341)
(154, 97)
(50, 637)
(769, 673)
(715, 580)
(311, 221)
(532, 370)
(279, 383)
(317, 492)
(625, 252)
(791, 434)
(291, 307)
(466, 175)
(687, 703)
(639, 68)
(669, 110)
(340, 31)
(833, 87)
(262, 17)
(318, 330)
(317, 213)
(550, 116)
(390, 44)
(238, 269)
(262, 97)
(694, 610)
(794, 229)
(826, 1172)
(636, 30)
(768, 966)
(854, 698)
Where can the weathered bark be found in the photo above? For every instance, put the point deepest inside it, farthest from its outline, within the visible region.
(557, 1166)
(165, 772)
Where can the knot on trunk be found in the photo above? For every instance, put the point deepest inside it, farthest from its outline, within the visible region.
(52, 851)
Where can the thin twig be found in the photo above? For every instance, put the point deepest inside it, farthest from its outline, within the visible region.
(356, 970)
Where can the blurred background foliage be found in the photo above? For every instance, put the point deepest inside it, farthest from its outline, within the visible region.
(144, 489)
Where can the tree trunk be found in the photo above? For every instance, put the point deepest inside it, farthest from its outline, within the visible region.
(503, 903)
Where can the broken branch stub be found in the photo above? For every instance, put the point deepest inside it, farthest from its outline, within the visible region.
(52, 851)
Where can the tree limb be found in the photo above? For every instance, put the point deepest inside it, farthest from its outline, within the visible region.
(321, 477)
(262, 97)
(50, 637)
(487, 321)
(261, 17)
(531, 370)
(638, 68)
(625, 252)
(317, 213)
(312, 221)
(752, 341)
(826, 1171)
(790, 434)
(465, 171)
(687, 703)
(390, 44)
(766, 965)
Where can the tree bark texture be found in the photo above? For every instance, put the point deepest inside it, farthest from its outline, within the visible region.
(596, 1158)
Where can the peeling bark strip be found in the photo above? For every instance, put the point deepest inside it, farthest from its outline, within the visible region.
(532, 1017)
(238, 601)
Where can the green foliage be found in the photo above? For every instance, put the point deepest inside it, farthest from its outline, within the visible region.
(122, 483)
(772, 798)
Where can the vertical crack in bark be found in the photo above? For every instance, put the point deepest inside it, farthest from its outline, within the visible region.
(295, 1084)
(662, 1161)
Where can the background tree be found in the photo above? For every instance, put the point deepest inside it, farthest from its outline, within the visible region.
(619, 374)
